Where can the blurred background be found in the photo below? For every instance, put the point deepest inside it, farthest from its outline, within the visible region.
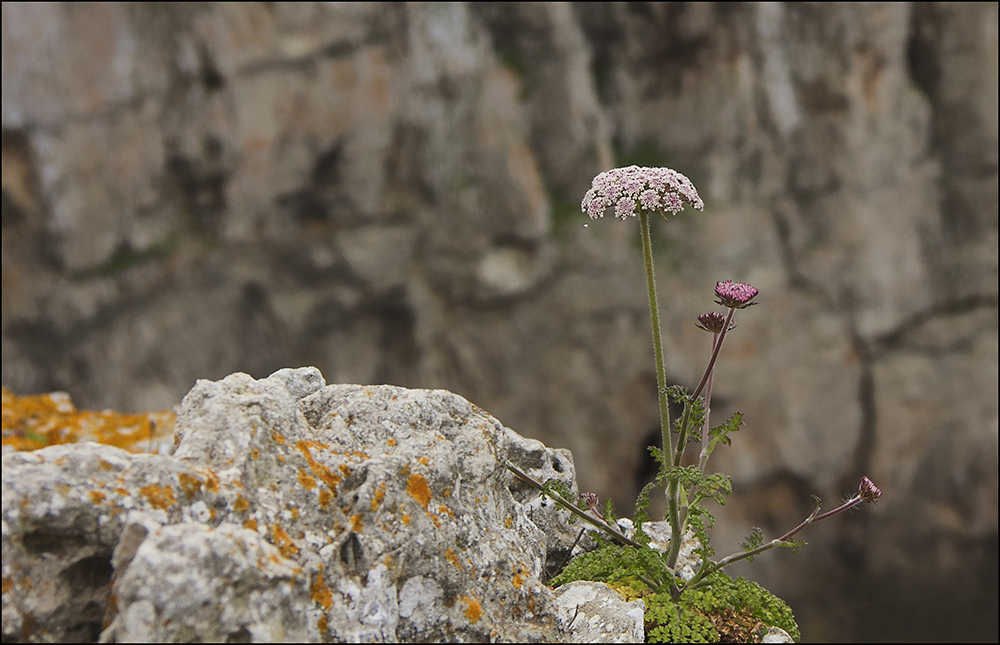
(390, 192)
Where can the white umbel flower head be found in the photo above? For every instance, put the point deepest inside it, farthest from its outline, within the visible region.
(655, 190)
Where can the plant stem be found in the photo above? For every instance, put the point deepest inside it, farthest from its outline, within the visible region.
(673, 515)
(558, 499)
(654, 316)
(703, 457)
(715, 355)
(814, 517)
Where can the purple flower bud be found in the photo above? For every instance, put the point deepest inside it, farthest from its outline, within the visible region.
(591, 499)
(713, 322)
(868, 491)
(658, 190)
(735, 295)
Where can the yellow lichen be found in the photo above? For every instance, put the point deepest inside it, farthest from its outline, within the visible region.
(319, 592)
(35, 421)
(241, 504)
(189, 484)
(308, 481)
(474, 611)
(419, 489)
(357, 523)
(378, 497)
(159, 497)
(283, 541)
(450, 555)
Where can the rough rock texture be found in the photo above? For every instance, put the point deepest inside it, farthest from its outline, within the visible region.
(289, 511)
(599, 615)
(389, 192)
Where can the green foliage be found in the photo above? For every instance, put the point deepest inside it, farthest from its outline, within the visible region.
(754, 540)
(720, 433)
(637, 568)
(732, 607)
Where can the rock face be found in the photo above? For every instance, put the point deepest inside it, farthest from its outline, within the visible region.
(389, 192)
(292, 511)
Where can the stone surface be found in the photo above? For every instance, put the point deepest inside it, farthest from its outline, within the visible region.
(390, 192)
(290, 510)
(599, 615)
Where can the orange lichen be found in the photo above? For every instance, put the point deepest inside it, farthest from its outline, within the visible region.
(419, 489)
(424, 460)
(450, 555)
(308, 481)
(319, 592)
(8, 584)
(325, 497)
(322, 624)
(277, 437)
(250, 524)
(241, 504)
(406, 519)
(519, 578)
(357, 523)
(96, 496)
(255, 453)
(318, 469)
(344, 468)
(211, 480)
(391, 442)
(159, 497)
(189, 484)
(35, 421)
(474, 611)
(378, 497)
(283, 541)
(447, 511)
(122, 491)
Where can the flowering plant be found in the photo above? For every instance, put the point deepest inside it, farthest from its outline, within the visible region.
(641, 191)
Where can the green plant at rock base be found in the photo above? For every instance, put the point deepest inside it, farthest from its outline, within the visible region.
(628, 559)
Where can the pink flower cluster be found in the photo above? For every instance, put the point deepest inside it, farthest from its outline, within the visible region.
(656, 190)
(735, 295)
(868, 491)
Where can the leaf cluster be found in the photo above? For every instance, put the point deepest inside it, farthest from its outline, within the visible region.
(638, 568)
(727, 610)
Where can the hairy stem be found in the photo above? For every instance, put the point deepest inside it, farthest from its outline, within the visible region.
(673, 515)
(567, 505)
(654, 317)
(814, 517)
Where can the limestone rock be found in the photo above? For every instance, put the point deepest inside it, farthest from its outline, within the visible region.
(597, 614)
(290, 510)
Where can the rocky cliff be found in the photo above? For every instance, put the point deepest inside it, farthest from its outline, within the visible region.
(390, 192)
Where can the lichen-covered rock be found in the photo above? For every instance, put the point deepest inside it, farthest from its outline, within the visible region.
(599, 615)
(290, 510)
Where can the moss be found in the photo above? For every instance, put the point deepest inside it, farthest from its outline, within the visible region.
(725, 610)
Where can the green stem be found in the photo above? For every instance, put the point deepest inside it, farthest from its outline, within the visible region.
(654, 316)
(673, 514)
(567, 505)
